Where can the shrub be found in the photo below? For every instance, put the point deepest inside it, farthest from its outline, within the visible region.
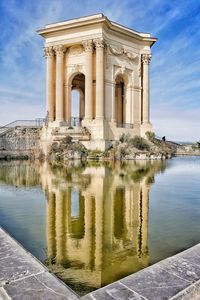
(67, 140)
(139, 143)
(150, 135)
(124, 138)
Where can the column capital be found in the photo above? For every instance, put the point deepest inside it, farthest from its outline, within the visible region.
(48, 52)
(88, 45)
(99, 43)
(146, 58)
(59, 49)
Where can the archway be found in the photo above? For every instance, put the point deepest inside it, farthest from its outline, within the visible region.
(120, 100)
(77, 99)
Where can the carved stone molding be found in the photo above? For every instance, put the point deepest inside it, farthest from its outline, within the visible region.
(146, 58)
(75, 50)
(77, 68)
(116, 51)
(123, 70)
(59, 49)
(99, 43)
(48, 52)
(88, 45)
(131, 56)
(121, 51)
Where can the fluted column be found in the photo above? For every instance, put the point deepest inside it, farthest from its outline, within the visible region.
(145, 62)
(50, 95)
(88, 46)
(59, 49)
(119, 103)
(99, 43)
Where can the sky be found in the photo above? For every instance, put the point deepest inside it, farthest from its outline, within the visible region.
(174, 69)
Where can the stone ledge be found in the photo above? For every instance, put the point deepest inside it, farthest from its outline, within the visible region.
(22, 276)
(177, 277)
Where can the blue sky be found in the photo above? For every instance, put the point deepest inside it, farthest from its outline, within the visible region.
(175, 65)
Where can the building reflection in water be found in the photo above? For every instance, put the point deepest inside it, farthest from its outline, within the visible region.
(97, 221)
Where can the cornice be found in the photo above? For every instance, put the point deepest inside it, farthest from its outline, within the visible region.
(56, 28)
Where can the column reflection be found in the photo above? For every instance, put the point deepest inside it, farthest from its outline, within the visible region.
(97, 221)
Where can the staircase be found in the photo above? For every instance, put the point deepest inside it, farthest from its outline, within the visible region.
(78, 134)
(21, 123)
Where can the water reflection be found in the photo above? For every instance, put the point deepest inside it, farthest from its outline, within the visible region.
(20, 173)
(97, 221)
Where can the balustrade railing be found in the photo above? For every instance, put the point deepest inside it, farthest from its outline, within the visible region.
(125, 125)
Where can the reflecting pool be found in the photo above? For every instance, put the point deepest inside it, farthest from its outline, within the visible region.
(94, 223)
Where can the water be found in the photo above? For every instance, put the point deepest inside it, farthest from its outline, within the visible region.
(94, 223)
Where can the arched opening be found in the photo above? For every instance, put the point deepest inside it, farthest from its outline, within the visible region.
(77, 99)
(120, 100)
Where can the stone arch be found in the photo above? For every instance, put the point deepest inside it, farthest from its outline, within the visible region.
(77, 82)
(121, 82)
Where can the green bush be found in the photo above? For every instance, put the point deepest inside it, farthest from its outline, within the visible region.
(139, 143)
(150, 135)
(124, 138)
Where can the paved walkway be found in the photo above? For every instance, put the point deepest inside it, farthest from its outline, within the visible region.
(22, 277)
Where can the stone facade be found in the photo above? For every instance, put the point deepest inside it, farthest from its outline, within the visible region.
(109, 65)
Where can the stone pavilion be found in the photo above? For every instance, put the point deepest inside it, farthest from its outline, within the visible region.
(108, 64)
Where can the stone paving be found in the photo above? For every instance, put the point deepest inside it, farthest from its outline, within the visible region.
(177, 277)
(22, 276)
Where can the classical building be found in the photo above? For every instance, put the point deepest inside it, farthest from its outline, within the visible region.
(109, 65)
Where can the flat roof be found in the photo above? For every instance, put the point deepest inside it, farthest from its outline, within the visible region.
(94, 19)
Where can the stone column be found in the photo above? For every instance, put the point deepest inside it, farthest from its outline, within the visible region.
(113, 103)
(119, 103)
(50, 95)
(145, 61)
(99, 43)
(88, 46)
(59, 49)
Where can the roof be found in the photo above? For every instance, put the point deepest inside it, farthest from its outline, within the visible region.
(94, 19)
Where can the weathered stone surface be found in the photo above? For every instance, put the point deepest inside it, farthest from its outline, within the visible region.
(113, 291)
(15, 261)
(23, 277)
(155, 283)
(182, 268)
(41, 286)
(20, 138)
(3, 294)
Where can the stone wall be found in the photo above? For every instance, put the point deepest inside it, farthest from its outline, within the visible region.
(20, 138)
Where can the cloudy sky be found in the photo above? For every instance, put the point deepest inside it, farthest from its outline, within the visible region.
(175, 66)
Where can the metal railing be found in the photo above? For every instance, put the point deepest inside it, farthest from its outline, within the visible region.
(74, 122)
(22, 123)
(125, 125)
